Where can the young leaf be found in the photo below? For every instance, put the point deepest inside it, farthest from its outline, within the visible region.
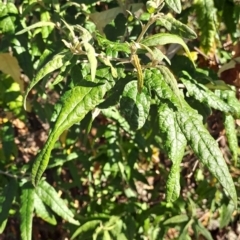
(135, 106)
(226, 214)
(174, 5)
(57, 62)
(165, 38)
(86, 227)
(206, 148)
(26, 211)
(174, 143)
(75, 104)
(176, 219)
(36, 25)
(42, 211)
(231, 134)
(176, 27)
(203, 94)
(50, 197)
(9, 193)
(91, 58)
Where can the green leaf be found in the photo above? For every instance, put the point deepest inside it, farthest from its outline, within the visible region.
(231, 134)
(171, 81)
(74, 105)
(158, 56)
(46, 30)
(200, 229)
(114, 46)
(206, 149)
(114, 114)
(58, 61)
(226, 214)
(8, 195)
(135, 106)
(203, 94)
(176, 219)
(155, 82)
(92, 224)
(39, 24)
(91, 58)
(8, 14)
(174, 5)
(165, 38)
(42, 211)
(206, 17)
(26, 211)
(176, 27)
(230, 97)
(174, 144)
(50, 197)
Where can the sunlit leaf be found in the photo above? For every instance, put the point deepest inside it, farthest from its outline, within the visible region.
(26, 211)
(51, 198)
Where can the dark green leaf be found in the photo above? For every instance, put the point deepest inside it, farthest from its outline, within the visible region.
(9, 193)
(75, 104)
(207, 150)
(174, 144)
(176, 27)
(202, 94)
(135, 106)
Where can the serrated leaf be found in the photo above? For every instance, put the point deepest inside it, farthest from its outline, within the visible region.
(26, 211)
(231, 133)
(226, 214)
(74, 105)
(116, 46)
(203, 94)
(174, 5)
(206, 18)
(57, 62)
(50, 197)
(176, 27)
(176, 219)
(135, 106)
(9, 193)
(171, 81)
(174, 144)
(154, 81)
(86, 227)
(230, 97)
(42, 211)
(39, 24)
(166, 38)
(206, 149)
